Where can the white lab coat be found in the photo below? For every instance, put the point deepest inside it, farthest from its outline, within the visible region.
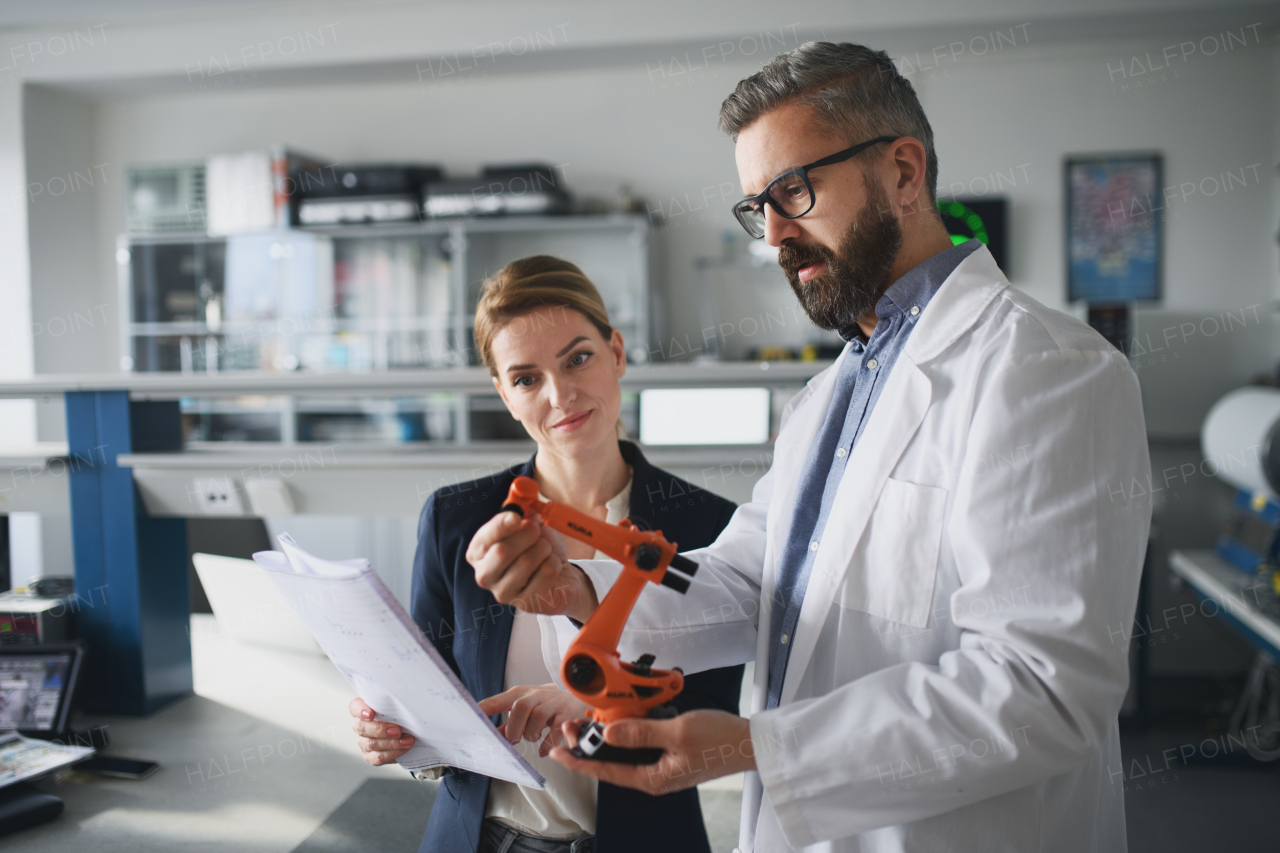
(961, 653)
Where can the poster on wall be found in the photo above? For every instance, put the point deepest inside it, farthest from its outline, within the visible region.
(1114, 235)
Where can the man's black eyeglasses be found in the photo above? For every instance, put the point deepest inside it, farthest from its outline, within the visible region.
(790, 194)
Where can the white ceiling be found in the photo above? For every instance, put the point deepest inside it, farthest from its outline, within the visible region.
(149, 43)
(55, 14)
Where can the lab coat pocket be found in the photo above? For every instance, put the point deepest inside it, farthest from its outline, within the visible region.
(895, 562)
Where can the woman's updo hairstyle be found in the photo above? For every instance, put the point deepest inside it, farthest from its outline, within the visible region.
(522, 286)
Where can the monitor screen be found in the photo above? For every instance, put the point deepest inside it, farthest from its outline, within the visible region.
(983, 220)
(704, 416)
(35, 687)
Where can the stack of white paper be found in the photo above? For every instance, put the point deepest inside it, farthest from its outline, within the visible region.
(390, 665)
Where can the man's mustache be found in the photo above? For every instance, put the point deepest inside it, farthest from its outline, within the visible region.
(792, 258)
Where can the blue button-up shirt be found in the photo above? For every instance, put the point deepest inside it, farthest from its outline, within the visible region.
(858, 386)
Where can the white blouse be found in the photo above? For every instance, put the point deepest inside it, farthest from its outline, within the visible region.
(566, 807)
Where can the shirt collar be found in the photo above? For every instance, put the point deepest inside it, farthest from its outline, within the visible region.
(916, 287)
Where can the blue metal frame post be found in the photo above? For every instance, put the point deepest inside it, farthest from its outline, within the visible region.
(131, 572)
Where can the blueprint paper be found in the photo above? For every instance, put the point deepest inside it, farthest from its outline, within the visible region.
(389, 663)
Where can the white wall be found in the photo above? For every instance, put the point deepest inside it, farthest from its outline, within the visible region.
(71, 307)
(617, 110)
(17, 417)
(39, 546)
(1016, 113)
(1022, 112)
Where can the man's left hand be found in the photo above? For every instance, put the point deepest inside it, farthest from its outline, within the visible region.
(699, 745)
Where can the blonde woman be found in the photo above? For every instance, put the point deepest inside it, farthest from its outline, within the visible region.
(543, 332)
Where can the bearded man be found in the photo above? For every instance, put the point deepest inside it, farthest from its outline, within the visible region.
(929, 577)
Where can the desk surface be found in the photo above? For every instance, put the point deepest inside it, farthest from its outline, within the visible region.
(1235, 592)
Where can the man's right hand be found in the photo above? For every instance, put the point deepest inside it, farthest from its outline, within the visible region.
(380, 743)
(524, 563)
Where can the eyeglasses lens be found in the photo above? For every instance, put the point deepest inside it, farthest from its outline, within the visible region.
(791, 193)
(751, 217)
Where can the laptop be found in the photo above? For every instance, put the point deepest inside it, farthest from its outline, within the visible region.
(37, 686)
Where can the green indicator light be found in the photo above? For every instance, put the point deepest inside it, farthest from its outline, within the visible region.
(973, 221)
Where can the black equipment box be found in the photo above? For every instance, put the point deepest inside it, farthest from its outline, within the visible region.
(371, 192)
(516, 189)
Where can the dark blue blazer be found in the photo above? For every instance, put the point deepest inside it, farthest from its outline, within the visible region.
(472, 631)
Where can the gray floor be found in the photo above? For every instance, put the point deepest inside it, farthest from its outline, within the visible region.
(383, 815)
(1217, 800)
(390, 816)
(263, 761)
(309, 796)
(227, 781)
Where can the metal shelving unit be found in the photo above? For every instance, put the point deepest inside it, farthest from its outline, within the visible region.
(403, 297)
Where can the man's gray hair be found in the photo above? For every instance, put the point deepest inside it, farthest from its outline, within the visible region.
(855, 92)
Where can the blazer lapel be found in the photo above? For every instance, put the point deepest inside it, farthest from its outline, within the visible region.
(495, 635)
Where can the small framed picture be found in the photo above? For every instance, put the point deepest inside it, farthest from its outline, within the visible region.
(1115, 236)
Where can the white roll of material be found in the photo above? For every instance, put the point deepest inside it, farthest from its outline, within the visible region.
(1236, 437)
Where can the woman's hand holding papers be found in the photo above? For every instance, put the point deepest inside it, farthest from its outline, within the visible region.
(533, 709)
(380, 743)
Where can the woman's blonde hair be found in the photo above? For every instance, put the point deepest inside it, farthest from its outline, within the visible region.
(539, 281)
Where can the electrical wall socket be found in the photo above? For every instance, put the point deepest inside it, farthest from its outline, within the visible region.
(218, 496)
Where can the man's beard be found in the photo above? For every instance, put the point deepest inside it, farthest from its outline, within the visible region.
(857, 274)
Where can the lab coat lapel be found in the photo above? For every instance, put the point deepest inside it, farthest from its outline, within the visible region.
(789, 455)
(908, 393)
(894, 421)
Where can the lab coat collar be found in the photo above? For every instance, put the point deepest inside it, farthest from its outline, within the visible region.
(956, 306)
(906, 398)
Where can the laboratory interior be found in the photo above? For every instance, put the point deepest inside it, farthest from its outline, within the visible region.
(258, 296)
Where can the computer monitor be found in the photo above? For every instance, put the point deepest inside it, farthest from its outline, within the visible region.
(704, 416)
(983, 220)
(37, 684)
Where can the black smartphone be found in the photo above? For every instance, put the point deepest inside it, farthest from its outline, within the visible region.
(124, 768)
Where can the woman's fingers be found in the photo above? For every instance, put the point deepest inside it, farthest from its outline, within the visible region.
(379, 742)
(379, 751)
(539, 718)
(398, 745)
(519, 718)
(531, 710)
(376, 729)
(500, 703)
(553, 739)
(556, 540)
(359, 709)
(500, 528)
(510, 582)
(498, 554)
(522, 562)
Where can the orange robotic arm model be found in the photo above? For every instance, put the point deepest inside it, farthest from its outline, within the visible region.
(592, 668)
